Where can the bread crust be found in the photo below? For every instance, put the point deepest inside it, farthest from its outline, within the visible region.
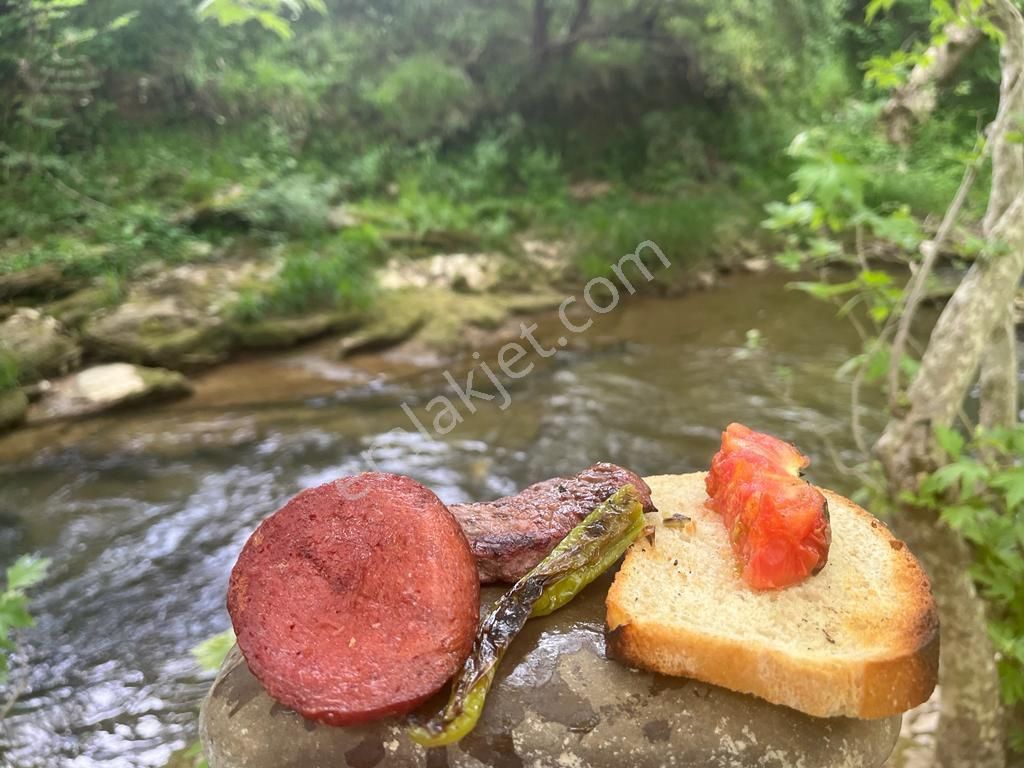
(888, 683)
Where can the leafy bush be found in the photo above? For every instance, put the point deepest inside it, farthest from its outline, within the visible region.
(980, 494)
(296, 204)
(26, 572)
(423, 96)
(689, 229)
(330, 274)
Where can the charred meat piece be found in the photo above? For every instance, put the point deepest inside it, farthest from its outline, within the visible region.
(510, 536)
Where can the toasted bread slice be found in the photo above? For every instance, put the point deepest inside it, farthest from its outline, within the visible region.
(859, 639)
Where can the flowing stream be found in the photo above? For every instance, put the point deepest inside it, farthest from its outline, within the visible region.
(144, 512)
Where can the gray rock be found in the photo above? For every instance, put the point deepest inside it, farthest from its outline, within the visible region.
(39, 345)
(104, 387)
(557, 701)
(13, 407)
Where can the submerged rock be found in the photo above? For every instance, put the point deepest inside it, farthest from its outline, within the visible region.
(556, 701)
(104, 387)
(38, 345)
(13, 407)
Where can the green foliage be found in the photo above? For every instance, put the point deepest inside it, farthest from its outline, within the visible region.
(423, 96)
(26, 572)
(270, 14)
(335, 273)
(980, 494)
(295, 204)
(688, 229)
(834, 198)
(9, 371)
(210, 653)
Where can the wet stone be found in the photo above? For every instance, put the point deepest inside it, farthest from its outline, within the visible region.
(557, 701)
(104, 387)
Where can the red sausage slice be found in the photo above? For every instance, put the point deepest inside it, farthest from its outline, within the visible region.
(356, 600)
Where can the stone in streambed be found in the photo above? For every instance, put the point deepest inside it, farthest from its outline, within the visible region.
(75, 309)
(400, 316)
(557, 701)
(284, 332)
(174, 318)
(104, 387)
(39, 345)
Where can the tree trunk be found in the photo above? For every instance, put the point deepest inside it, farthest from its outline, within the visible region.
(998, 382)
(973, 332)
(915, 100)
(954, 353)
(971, 723)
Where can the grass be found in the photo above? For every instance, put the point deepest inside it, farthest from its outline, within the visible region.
(9, 373)
(692, 229)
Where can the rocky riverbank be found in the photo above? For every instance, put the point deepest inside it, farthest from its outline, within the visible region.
(77, 349)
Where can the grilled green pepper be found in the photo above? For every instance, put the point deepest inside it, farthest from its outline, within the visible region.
(583, 555)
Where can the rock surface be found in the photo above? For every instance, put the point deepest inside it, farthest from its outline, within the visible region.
(13, 407)
(470, 272)
(39, 345)
(46, 280)
(173, 319)
(405, 314)
(557, 701)
(282, 332)
(75, 309)
(104, 387)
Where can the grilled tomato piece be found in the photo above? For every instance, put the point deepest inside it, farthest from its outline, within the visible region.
(777, 522)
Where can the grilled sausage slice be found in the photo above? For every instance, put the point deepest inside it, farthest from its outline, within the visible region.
(356, 600)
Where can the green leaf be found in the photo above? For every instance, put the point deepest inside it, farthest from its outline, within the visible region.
(875, 7)
(959, 516)
(790, 260)
(1011, 482)
(877, 365)
(210, 653)
(122, 21)
(27, 571)
(14, 611)
(951, 441)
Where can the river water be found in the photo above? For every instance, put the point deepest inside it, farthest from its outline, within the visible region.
(143, 513)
